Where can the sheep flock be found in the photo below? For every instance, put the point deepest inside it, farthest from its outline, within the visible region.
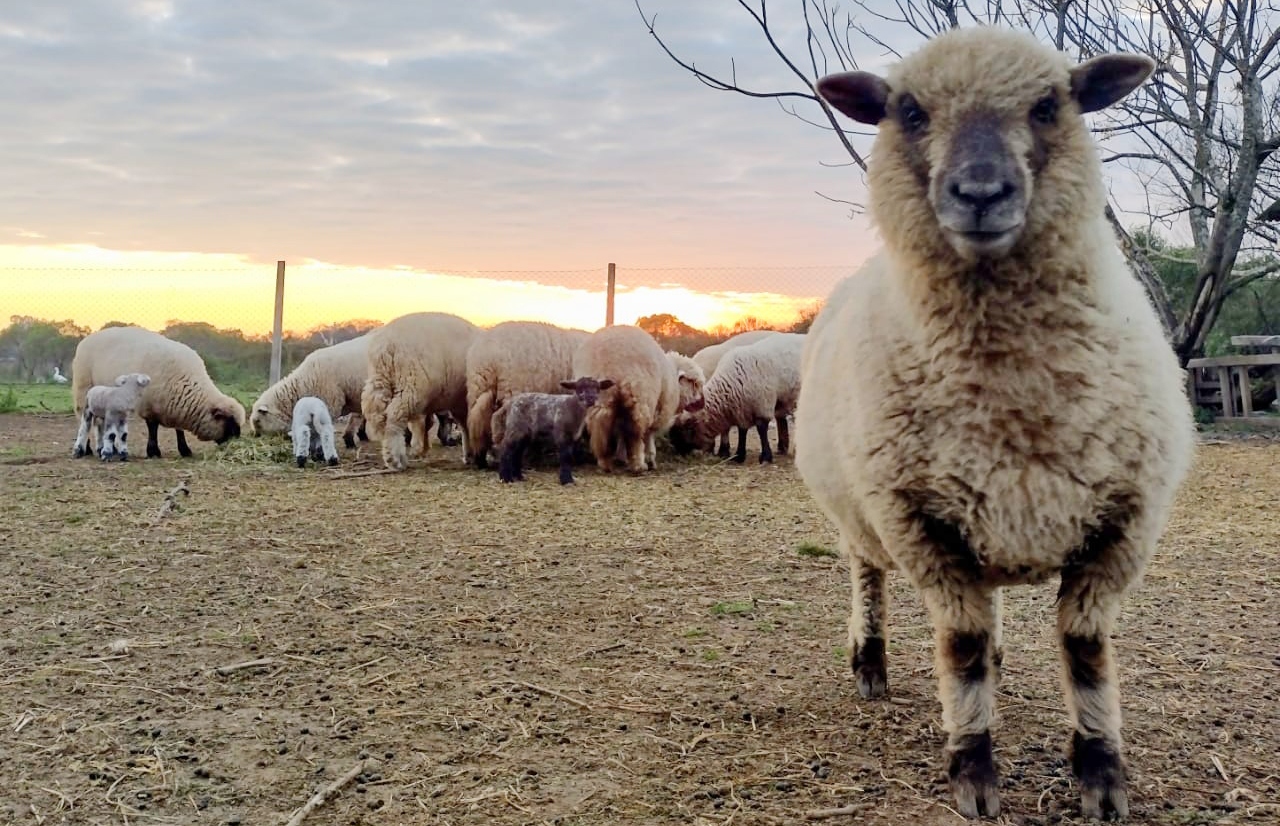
(988, 402)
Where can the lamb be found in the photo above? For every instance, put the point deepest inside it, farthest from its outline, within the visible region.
(708, 358)
(417, 367)
(752, 385)
(312, 432)
(640, 405)
(109, 406)
(509, 358)
(334, 374)
(559, 417)
(692, 381)
(181, 395)
(991, 400)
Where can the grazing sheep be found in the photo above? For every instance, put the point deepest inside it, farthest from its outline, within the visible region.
(752, 385)
(181, 395)
(312, 432)
(558, 417)
(642, 402)
(991, 400)
(691, 379)
(417, 367)
(708, 358)
(109, 406)
(334, 374)
(509, 358)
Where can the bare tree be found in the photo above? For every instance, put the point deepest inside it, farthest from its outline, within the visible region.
(1201, 138)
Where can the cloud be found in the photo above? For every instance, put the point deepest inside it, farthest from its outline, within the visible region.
(434, 134)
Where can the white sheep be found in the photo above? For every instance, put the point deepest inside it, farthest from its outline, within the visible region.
(752, 386)
(312, 432)
(640, 405)
(334, 374)
(991, 401)
(417, 367)
(692, 380)
(181, 395)
(708, 358)
(560, 418)
(509, 358)
(109, 406)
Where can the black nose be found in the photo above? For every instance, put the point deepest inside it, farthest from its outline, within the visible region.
(980, 192)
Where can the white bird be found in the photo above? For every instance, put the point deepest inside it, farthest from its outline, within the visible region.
(57, 375)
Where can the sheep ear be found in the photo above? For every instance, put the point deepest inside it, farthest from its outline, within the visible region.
(860, 95)
(1101, 81)
(696, 405)
(606, 384)
(569, 385)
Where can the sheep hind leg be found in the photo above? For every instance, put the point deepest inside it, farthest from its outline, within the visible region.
(183, 450)
(566, 463)
(740, 455)
(1088, 602)
(867, 657)
(762, 430)
(82, 446)
(784, 435)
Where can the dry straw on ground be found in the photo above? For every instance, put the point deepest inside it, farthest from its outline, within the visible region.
(654, 650)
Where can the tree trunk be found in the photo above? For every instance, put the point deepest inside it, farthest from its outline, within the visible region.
(1146, 274)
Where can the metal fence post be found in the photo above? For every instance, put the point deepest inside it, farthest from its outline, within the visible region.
(277, 329)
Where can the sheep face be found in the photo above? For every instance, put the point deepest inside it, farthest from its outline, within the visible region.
(221, 425)
(264, 422)
(587, 389)
(981, 142)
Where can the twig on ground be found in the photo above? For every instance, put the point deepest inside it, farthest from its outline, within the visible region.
(318, 799)
(230, 669)
(827, 814)
(551, 693)
(170, 503)
(359, 473)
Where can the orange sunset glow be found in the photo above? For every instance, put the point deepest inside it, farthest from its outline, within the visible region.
(92, 286)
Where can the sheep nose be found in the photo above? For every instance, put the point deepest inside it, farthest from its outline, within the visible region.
(980, 188)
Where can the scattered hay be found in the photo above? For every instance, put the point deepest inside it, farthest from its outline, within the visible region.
(253, 450)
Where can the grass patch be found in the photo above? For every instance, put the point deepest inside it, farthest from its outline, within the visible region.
(36, 398)
(738, 607)
(815, 550)
(841, 654)
(694, 633)
(710, 655)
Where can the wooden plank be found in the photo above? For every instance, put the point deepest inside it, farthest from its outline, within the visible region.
(1246, 392)
(1258, 360)
(1228, 403)
(1255, 341)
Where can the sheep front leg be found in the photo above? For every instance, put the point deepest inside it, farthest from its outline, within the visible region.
(762, 430)
(354, 425)
(81, 447)
(867, 655)
(419, 436)
(183, 450)
(1088, 602)
(153, 439)
(394, 452)
(784, 435)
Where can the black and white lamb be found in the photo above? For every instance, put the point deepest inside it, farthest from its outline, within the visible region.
(560, 418)
(108, 407)
(991, 401)
(312, 432)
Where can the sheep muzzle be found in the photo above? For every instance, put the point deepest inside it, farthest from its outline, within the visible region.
(980, 194)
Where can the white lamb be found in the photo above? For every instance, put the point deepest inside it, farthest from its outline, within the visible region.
(752, 386)
(108, 407)
(991, 401)
(312, 432)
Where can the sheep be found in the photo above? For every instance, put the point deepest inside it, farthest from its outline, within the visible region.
(708, 358)
(692, 380)
(109, 407)
(508, 358)
(751, 386)
(560, 417)
(990, 401)
(334, 374)
(640, 405)
(312, 432)
(181, 395)
(417, 366)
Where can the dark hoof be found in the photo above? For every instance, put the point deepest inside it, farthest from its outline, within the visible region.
(78, 453)
(124, 457)
(481, 462)
(333, 462)
(1098, 766)
(973, 776)
(737, 460)
(302, 461)
(766, 459)
(870, 667)
(348, 440)
(566, 479)
(153, 452)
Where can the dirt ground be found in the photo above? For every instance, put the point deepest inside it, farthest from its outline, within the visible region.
(629, 650)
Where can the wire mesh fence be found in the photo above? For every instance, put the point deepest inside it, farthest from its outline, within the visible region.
(225, 309)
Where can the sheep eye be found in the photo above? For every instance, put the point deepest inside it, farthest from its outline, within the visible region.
(1045, 111)
(913, 118)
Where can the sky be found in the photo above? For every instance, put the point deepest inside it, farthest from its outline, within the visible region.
(481, 157)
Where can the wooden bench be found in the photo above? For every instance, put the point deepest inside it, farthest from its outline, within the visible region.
(1223, 381)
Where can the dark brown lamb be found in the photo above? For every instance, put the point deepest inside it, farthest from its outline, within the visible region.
(558, 417)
